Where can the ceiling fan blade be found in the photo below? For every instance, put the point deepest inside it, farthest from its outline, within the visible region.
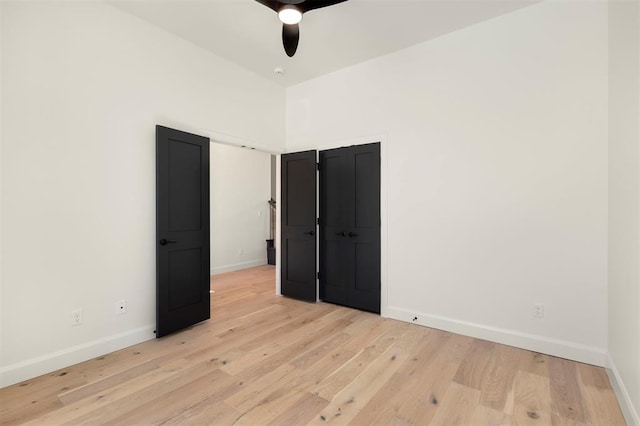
(290, 38)
(308, 5)
(271, 4)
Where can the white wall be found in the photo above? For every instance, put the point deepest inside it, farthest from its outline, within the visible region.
(84, 84)
(240, 190)
(624, 203)
(1, 192)
(496, 174)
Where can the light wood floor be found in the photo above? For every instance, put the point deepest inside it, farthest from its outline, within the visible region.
(267, 359)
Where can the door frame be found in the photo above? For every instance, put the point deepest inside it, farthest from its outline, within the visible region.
(384, 225)
(217, 137)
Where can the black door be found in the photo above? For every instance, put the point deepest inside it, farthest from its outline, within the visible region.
(350, 226)
(182, 230)
(298, 234)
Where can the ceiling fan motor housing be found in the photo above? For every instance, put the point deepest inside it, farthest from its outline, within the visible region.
(290, 14)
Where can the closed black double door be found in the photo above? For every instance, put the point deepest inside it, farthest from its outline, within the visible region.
(349, 226)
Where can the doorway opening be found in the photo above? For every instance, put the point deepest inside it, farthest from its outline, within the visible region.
(242, 205)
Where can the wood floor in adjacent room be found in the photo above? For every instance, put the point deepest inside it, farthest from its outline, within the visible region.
(266, 359)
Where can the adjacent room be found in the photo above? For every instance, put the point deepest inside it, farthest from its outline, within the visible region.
(407, 212)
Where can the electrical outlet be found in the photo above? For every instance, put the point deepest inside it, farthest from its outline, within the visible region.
(538, 311)
(76, 317)
(121, 307)
(240, 251)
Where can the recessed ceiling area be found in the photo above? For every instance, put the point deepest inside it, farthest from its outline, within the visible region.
(332, 38)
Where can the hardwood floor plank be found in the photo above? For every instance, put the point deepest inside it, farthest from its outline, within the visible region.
(81, 392)
(40, 387)
(170, 404)
(598, 397)
(413, 391)
(248, 397)
(302, 411)
(298, 327)
(333, 384)
(602, 406)
(267, 359)
(277, 401)
(457, 348)
(101, 400)
(309, 358)
(299, 341)
(499, 377)
(36, 397)
(475, 364)
(38, 407)
(566, 397)
(347, 403)
(421, 407)
(488, 416)
(205, 414)
(557, 420)
(457, 406)
(531, 400)
(533, 362)
(593, 376)
(127, 402)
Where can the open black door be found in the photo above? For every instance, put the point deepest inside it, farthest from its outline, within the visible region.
(298, 235)
(182, 230)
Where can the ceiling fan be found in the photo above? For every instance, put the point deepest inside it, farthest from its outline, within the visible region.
(290, 14)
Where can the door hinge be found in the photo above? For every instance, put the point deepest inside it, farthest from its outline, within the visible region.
(318, 166)
(318, 275)
(318, 221)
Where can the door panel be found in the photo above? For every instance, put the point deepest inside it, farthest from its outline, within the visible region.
(366, 276)
(364, 220)
(334, 274)
(334, 175)
(184, 186)
(184, 278)
(366, 207)
(300, 201)
(350, 235)
(298, 235)
(297, 260)
(334, 258)
(182, 230)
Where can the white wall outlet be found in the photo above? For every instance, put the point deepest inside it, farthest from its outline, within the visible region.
(538, 310)
(240, 251)
(76, 317)
(121, 307)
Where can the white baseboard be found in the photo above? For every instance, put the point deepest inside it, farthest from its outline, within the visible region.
(38, 366)
(630, 412)
(545, 345)
(237, 266)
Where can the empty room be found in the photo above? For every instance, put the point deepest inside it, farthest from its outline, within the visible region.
(296, 212)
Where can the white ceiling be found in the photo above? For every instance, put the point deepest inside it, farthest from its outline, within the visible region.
(249, 34)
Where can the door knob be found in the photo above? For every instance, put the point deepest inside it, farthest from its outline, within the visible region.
(164, 242)
(341, 234)
(310, 233)
(353, 234)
